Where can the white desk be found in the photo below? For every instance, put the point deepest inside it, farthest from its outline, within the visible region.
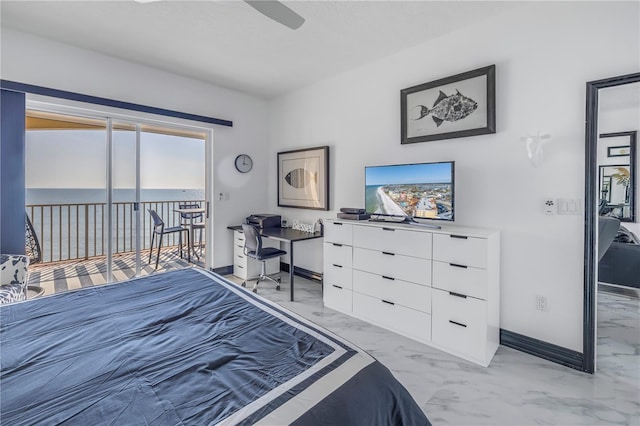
(288, 235)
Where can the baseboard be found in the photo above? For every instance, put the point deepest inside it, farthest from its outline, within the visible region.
(301, 272)
(223, 270)
(541, 349)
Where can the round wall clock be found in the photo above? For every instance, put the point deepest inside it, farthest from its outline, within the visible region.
(244, 163)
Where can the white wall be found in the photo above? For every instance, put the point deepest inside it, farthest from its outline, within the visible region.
(544, 55)
(33, 60)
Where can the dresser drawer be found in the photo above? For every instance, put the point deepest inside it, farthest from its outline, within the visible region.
(238, 242)
(238, 238)
(238, 249)
(399, 241)
(402, 320)
(338, 275)
(337, 254)
(240, 259)
(336, 297)
(400, 292)
(460, 279)
(240, 271)
(248, 268)
(461, 250)
(460, 324)
(338, 232)
(392, 265)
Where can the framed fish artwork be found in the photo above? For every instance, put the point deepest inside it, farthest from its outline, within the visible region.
(303, 178)
(453, 107)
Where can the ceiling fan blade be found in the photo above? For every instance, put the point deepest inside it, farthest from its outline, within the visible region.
(278, 12)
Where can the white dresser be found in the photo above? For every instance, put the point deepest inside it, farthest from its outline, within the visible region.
(440, 287)
(246, 267)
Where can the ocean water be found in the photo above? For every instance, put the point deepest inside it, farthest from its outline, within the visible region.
(92, 195)
(70, 222)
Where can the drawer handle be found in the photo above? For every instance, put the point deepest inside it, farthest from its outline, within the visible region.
(337, 266)
(462, 237)
(458, 266)
(388, 278)
(457, 323)
(337, 286)
(388, 253)
(387, 302)
(241, 267)
(388, 229)
(337, 245)
(241, 257)
(240, 246)
(338, 223)
(457, 295)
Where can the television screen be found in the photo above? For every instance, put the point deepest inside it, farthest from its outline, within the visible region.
(421, 191)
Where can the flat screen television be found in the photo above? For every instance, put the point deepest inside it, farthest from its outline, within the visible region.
(411, 191)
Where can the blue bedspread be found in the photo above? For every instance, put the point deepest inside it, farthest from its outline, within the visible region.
(184, 347)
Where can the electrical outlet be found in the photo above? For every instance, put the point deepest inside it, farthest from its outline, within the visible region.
(541, 303)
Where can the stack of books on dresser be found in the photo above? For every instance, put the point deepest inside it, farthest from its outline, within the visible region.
(353, 213)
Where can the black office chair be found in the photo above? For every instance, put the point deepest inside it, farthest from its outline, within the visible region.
(253, 248)
(187, 218)
(160, 231)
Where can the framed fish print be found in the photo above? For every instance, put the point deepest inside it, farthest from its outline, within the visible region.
(453, 107)
(303, 178)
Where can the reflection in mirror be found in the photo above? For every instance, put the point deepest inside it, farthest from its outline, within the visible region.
(617, 155)
(616, 189)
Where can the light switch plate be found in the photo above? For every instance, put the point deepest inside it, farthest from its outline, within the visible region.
(569, 206)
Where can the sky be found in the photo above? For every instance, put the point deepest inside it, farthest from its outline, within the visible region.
(76, 159)
(409, 173)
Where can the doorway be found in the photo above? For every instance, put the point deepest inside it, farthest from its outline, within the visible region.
(90, 182)
(594, 185)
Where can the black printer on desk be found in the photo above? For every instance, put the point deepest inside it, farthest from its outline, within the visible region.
(263, 220)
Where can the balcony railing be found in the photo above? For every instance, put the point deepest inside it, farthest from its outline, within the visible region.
(77, 231)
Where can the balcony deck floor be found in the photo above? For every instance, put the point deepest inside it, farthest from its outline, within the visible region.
(62, 276)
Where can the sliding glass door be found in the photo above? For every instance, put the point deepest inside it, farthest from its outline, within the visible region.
(90, 185)
(66, 199)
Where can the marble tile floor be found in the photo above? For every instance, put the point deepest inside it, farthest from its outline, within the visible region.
(516, 389)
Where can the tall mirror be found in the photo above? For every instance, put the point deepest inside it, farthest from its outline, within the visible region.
(612, 248)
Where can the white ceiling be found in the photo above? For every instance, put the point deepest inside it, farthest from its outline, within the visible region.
(230, 44)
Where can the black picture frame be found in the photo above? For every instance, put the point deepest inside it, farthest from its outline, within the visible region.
(628, 161)
(453, 107)
(618, 151)
(303, 178)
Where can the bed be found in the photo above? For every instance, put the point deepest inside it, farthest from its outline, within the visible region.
(186, 347)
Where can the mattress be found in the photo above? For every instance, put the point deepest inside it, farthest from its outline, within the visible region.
(181, 348)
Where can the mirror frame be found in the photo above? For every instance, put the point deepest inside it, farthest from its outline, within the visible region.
(590, 214)
(632, 135)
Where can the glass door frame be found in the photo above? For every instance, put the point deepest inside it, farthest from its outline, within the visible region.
(110, 114)
(110, 205)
